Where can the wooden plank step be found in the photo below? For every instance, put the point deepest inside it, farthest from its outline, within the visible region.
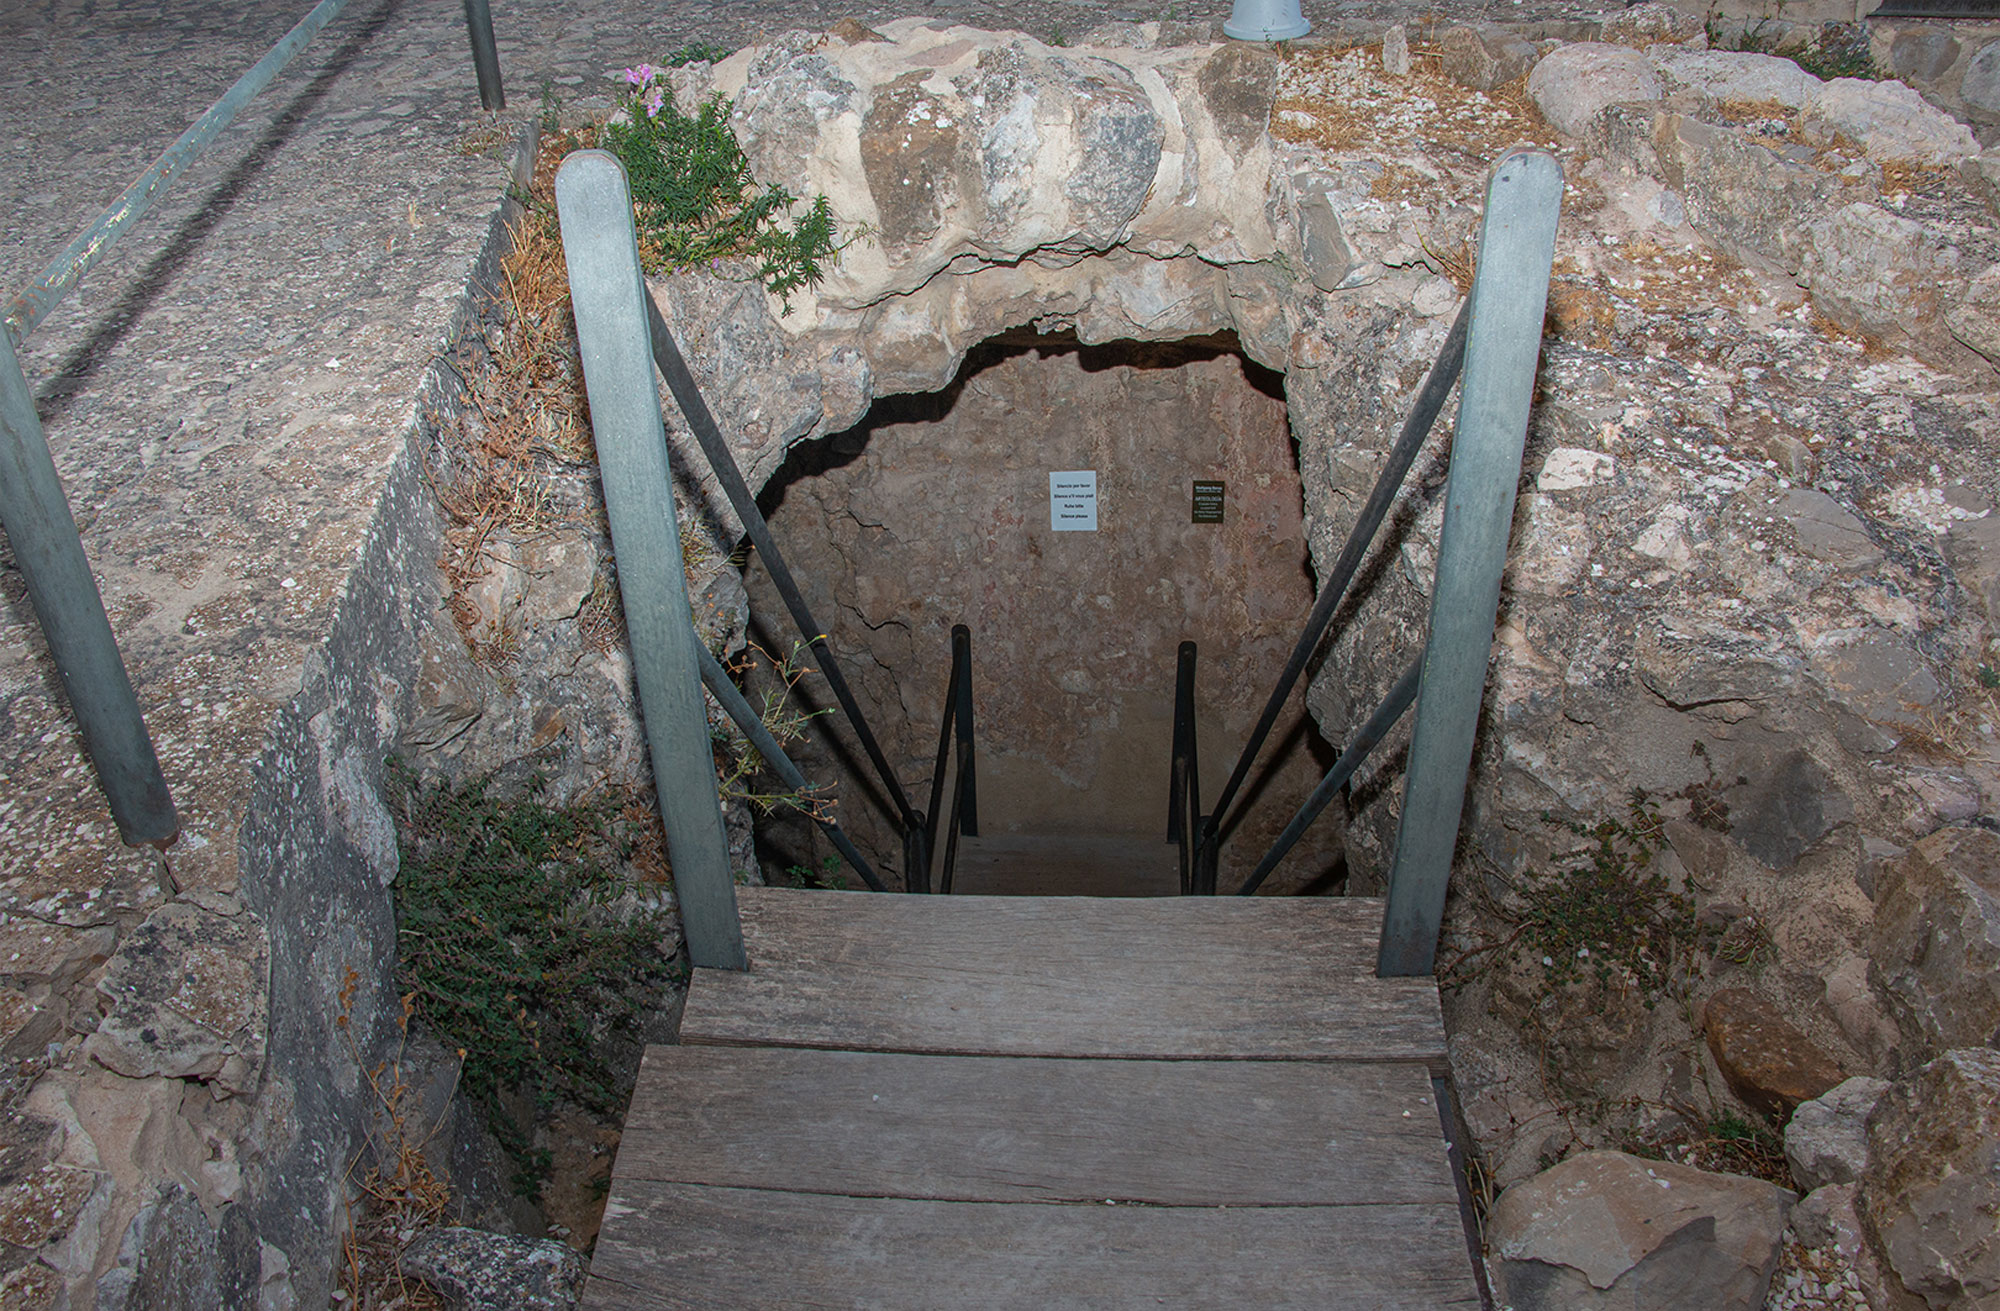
(978, 1128)
(1067, 865)
(724, 1248)
(1165, 978)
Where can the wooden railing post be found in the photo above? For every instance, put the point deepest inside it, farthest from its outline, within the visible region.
(1509, 296)
(608, 293)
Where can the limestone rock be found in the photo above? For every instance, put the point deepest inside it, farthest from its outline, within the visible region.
(1880, 274)
(1973, 547)
(1827, 530)
(46, 1204)
(1974, 318)
(1922, 56)
(1784, 807)
(1891, 121)
(1936, 945)
(1692, 664)
(36, 953)
(1980, 87)
(1745, 197)
(1876, 676)
(1982, 173)
(1483, 57)
(1826, 1140)
(1572, 84)
(477, 1271)
(167, 1261)
(1606, 1229)
(1738, 75)
(1396, 51)
(188, 994)
(1767, 1061)
(1654, 23)
(1932, 1188)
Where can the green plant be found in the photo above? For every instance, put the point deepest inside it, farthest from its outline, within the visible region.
(697, 52)
(694, 200)
(737, 762)
(825, 875)
(1839, 50)
(1603, 911)
(514, 947)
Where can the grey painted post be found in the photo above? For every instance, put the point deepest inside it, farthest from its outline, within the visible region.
(1509, 295)
(42, 532)
(607, 291)
(485, 56)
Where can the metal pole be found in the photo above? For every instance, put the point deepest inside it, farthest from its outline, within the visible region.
(716, 679)
(43, 534)
(1509, 297)
(34, 302)
(967, 808)
(1372, 733)
(607, 291)
(1416, 427)
(485, 56)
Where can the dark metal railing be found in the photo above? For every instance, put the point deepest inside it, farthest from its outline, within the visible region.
(1493, 347)
(909, 824)
(716, 679)
(35, 513)
(1187, 827)
(955, 748)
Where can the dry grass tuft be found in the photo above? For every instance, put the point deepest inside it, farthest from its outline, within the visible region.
(399, 1195)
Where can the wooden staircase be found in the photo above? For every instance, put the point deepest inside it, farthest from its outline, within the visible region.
(1041, 1102)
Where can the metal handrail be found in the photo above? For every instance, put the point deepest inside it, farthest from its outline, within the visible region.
(955, 747)
(667, 358)
(1493, 347)
(35, 513)
(1416, 427)
(1187, 827)
(716, 679)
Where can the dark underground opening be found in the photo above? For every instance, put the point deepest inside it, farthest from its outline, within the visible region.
(937, 509)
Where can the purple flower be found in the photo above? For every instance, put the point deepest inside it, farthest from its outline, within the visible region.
(653, 101)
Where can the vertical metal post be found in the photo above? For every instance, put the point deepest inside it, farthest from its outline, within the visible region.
(485, 55)
(1509, 297)
(967, 808)
(43, 534)
(608, 293)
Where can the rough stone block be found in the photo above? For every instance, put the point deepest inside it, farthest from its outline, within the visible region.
(189, 998)
(1826, 1141)
(1891, 121)
(477, 1271)
(1766, 1060)
(1936, 944)
(1932, 1188)
(1607, 1230)
(1571, 85)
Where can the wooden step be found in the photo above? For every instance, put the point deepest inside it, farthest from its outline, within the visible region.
(1067, 865)
(990, 1129)
(908, 1102)
(1169, 978)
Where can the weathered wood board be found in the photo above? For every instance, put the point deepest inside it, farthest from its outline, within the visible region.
(978, 1128)
(1175, 978)
(721, 1249)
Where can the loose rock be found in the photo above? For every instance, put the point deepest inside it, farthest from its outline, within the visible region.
(1932, 1188)
(1606, 1229)
(1768, 1062)
(1826, 1141)
(477, 1271)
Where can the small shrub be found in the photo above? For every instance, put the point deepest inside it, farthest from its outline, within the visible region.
(695, 201)
(1604, 911)
(513, 949)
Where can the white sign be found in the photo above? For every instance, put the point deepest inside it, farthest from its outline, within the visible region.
(1073, 501)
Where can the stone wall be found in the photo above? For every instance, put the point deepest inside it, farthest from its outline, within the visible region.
(942, 517)
(1750, 570)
